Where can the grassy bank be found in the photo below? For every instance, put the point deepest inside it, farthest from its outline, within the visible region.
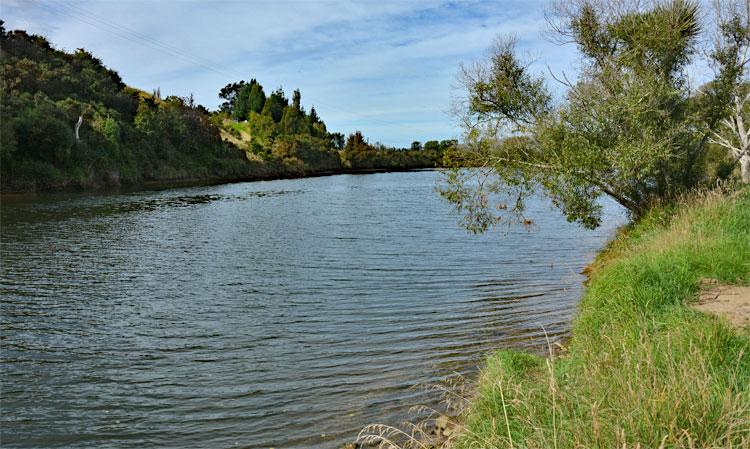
(642, 370)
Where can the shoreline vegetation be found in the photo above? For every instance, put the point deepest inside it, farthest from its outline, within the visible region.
(166, 184)
(642, 367)
(69, 123)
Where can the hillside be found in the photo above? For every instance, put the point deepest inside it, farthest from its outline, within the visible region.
(126, 138)
(130, 138)
(274, 129)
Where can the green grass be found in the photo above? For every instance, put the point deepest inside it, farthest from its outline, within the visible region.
(642, 369)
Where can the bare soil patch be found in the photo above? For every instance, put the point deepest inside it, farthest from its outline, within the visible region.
(729, 301)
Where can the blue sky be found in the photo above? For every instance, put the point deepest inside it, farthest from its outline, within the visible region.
(387, 68)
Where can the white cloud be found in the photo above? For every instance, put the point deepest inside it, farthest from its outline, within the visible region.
(383, 67)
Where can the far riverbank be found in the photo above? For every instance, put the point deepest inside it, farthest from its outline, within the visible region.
(161, 184)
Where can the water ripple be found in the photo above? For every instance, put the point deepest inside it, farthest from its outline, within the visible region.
(261, 314)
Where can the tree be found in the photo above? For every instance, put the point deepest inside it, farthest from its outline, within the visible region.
(448, 144)
(736, 135)
(316, 126)
(313, 116)
(241, 103)
(731, 56)
(262, 127)
(292, 121)
(432, 145)
(242, 98)
(630, 127)
(297, 100)
(275, 105)
(228, 94)
(337, 140)
(126, 134)
(416, 146)
(356, 142)
(256, 98)
(82, 55)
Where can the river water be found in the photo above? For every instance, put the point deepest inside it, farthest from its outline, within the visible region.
(282, 314)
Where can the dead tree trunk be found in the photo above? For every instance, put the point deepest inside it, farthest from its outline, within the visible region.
(78, 126)
(745, 168)
(736, 137)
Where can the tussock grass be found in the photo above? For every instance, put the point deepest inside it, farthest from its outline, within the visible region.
(642, 369)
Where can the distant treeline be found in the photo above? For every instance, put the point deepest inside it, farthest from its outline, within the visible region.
(273, 128)
(129, 137)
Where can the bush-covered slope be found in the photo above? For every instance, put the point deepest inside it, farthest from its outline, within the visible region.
(127, 137)
(274, 129)
(131, 138)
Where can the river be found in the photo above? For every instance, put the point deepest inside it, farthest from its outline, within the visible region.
(283, 314)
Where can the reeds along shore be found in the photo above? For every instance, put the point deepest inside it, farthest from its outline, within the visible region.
(642, 369)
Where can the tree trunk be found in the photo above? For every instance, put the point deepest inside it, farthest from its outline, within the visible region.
(745, 168)
(78, 126)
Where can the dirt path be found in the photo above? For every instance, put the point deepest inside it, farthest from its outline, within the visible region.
(730, 301)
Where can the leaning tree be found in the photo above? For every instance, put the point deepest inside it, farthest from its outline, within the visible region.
(633, 125)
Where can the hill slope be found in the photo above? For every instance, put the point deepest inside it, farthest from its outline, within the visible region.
(131, 138)
(126, 138)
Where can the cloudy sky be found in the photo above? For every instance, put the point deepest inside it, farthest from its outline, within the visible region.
(385, 67)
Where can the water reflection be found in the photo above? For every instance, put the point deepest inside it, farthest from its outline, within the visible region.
(33, 208)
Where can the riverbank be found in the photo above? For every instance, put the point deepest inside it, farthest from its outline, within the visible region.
(159, 185)
(643, 368)
(162, 184)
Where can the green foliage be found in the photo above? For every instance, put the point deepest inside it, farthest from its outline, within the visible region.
(337, 140)
(301, 143)
(256, 98)
(130, 137)
(242, 99)
(228, 93)
(360, 154)
(631, 127)
(297, 100)
(241, 103)
(262, 127)
(305, 154)
(275, 105)
(642, 368)
(293, 121)
(127, 136)
(431, 145)
(504, 89)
